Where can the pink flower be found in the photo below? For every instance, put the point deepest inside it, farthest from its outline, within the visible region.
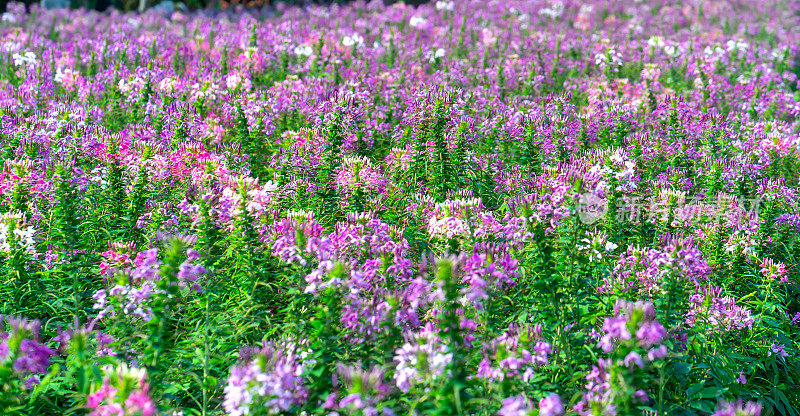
(515, 406)
(779, 350)
(140, 401)
(741, 379)
(551, 406)
(634, 358)
(106, 391)
(738, 409)
(774, 270)
(112, 409)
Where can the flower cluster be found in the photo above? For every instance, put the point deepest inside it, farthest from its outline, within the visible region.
(123, 392)
(15, 233)
(774, 270)
(711, 307)
(519, 405)
(423, 210)
(421, 360)
(22, 355)
(140, 285)
(365, 389)
(633, 337)
(645, 271)
(514, 354)
(270, 377)
(738, 408)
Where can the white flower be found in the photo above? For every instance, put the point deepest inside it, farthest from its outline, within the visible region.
(554, 11)
(23, 234)
(5, 247)
(167, 84)
(778, 54)
(303, 50)
(233, 81)
(353, 40)
(600, 59)
(617, 158)
(656, 42)
(59, 78)
(616, 57)
(270, 187)
(439, 53)
(743, 79)
(736, 45)
(27, 59)
(416, 22)
(10, 46)
(445, 5)
(709, 51)
(124, 86)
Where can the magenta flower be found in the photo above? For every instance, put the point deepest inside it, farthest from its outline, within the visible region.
(515, 406)
(551, 405)
(737, 409)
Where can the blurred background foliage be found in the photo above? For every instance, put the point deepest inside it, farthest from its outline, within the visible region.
(170, 5)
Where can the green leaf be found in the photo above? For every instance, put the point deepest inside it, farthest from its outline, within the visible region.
(704, 406)
(680, 368)
(693, 390)
(711, 392)
(210, 382)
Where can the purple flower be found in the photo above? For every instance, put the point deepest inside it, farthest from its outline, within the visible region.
(139, 402)
(633, 358)
(741, 379)
(3, 347)
(641, 395)
(650, 333)
(657, 352)
(551, 405)
(515, 406)
(269, 377)
(515, 353)
(32, 357)
(31, 382)
(189, 273)
(353, 399)
(779, 350)
(366, 387)
(710, 305)
(738, 409)
(103, 345)
(147, 266)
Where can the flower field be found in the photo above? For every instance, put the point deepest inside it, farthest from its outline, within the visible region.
(463, 208)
